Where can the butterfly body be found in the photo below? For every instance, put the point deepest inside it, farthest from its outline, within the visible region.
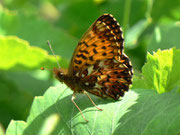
(72, 82)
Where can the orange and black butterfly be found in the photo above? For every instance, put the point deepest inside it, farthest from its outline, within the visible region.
(99, 65)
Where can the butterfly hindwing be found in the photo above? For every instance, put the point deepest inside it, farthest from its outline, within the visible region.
(109, 78)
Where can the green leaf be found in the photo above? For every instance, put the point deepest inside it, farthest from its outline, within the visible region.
(17, 54)
(16, 128)
(153, 114)
(1, 130)
(63, 23)
(12, 101)
(49, 125)
(133, 33)
(161, 71)
(139, 81)
(19, 87)
(137, 113)
(165, 37)
(37, 31)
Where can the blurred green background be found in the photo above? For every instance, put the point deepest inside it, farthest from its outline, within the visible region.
(26, 25)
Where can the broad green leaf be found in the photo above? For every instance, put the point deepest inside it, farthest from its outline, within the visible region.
(154, 114)
(17, 54)
(161, 71)
(137, 113)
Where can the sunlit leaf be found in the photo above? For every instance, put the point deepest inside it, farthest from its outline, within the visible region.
(17, 54)
(137, 113)
(161, 71)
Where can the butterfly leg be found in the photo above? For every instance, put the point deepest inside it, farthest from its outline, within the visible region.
(72, 99)
(92, 101)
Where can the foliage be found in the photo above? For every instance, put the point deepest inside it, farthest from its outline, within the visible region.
(152, 42)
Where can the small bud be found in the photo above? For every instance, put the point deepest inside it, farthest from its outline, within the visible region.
(42, 68)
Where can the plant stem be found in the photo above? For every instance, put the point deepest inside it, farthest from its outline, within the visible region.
(127, 8)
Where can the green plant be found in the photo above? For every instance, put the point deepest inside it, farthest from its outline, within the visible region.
(151, 41)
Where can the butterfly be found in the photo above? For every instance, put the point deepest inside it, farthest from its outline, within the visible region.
(99, 65)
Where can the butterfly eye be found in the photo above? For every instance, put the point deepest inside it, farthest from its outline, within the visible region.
(60, 76)
(61, 73)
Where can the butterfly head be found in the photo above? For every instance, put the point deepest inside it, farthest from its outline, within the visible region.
(60, 74)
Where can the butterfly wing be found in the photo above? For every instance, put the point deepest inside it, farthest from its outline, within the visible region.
(102, 39)
(108, 78)
(98, 56)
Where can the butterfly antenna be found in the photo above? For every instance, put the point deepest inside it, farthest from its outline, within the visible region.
(53, 53)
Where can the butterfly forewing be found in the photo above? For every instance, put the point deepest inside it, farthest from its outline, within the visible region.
(99, 62)
(103, 39)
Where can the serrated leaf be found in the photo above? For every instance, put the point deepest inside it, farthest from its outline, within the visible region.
(161, 70)
(16, 127)
(17, 54)
(137, 113)
(154, 114)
